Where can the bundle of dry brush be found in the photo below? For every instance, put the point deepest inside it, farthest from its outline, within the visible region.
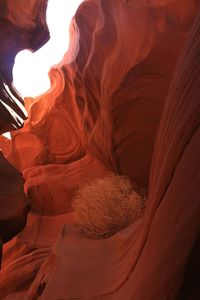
(106, 205)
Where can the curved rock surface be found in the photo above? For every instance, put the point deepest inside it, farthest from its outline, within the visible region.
(15, 36)
(104, 113)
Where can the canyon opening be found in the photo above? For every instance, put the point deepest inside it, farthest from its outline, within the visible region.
(30, 71)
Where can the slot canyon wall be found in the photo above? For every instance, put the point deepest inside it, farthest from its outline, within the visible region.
(127, 104)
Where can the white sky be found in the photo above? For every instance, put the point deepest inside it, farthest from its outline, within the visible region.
(30, 71)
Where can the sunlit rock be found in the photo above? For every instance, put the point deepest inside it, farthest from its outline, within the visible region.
(127, 103)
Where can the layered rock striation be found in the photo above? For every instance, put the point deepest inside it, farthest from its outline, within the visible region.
(128, 104)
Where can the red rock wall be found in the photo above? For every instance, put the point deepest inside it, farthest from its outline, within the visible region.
(18, 25)
(102, 114)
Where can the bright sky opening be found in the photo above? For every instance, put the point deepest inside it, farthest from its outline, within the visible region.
(30, 71)
(7, 135)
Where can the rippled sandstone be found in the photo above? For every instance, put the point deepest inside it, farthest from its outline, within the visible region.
(129, 103)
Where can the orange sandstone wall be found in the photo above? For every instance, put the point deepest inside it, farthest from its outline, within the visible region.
(103, 113)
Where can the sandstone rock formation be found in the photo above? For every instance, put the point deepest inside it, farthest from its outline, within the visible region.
(129, 103)
(16, 33)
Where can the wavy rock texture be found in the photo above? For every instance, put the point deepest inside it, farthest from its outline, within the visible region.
(103, 113)
(18, 25)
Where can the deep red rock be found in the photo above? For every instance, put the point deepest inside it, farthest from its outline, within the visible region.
(124, 105)
(13, 204)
